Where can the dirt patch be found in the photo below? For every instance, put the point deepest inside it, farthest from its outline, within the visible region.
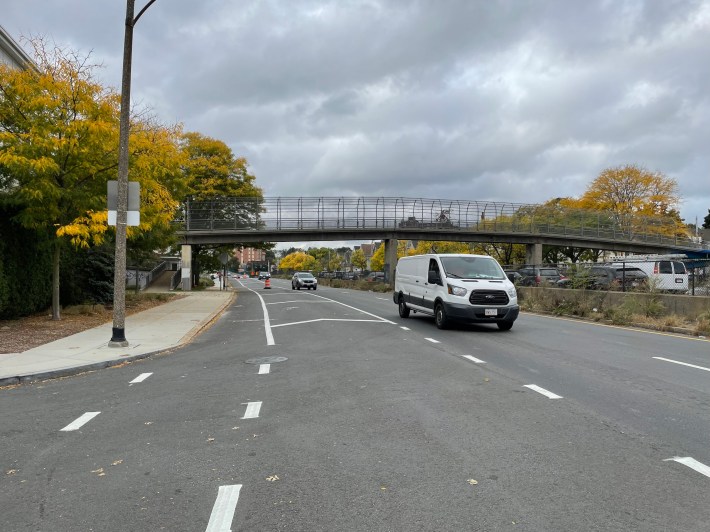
(22, 334)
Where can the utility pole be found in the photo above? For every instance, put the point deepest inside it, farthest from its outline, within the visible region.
(118, 333)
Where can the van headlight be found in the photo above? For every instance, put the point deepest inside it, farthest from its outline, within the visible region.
(512, 294)
(456, 290)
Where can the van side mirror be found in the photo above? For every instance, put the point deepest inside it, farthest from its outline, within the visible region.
(434, 277)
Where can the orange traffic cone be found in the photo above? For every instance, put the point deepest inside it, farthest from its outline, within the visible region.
(267, 283)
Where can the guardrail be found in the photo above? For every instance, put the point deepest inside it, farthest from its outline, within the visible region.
(333, 213)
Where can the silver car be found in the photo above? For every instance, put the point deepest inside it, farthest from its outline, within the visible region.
(303, 280)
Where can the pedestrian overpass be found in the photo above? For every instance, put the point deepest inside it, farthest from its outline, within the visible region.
(275, 219)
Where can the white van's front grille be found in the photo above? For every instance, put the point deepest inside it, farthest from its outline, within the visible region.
(489, 297)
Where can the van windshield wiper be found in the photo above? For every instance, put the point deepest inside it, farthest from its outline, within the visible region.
(453, 275)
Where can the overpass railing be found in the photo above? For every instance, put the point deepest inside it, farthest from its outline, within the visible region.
(343, 213)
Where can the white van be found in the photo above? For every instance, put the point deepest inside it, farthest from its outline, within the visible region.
(667, 275)
(451, 287)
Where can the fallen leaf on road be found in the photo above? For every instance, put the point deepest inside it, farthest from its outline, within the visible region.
(235, 428)
(210, 440)
(272, 478)
(148, 423)
(99, 470)
(472, 482)
(383, 488)
(11, 472)
(117, 462)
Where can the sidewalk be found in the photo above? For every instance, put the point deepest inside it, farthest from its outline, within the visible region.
(151, 331)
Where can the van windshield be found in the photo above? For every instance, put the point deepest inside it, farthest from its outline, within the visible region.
(472, 268)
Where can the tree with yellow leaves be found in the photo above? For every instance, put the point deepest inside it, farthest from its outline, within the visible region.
(59, 147)
(640, 200)
(298, 261)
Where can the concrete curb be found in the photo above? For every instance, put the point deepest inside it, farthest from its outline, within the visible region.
(76, 370)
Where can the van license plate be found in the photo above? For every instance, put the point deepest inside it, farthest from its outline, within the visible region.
(491, 312)
(679, 281)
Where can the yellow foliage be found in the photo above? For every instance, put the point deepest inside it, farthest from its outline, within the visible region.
(298, 261)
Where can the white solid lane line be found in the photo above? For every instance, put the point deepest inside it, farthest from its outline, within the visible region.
(296, 301)
(224, 508)
(474, 359)
(432, 340)
(80, 421)
(267, 322)
(264, 369)
(321, 319)
(355, 308)
(543, 391)
(252, 410)
(691, 463)
(682, 363)
(140, 378)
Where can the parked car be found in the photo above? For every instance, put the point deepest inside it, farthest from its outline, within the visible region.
(375, 277)
(537, 275)
(514, 276)
(303, 280)
(264, 275)
(351, 276)
(605, 277)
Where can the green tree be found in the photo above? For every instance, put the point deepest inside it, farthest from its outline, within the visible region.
(358, 259)
(215, 177)
(706, 222)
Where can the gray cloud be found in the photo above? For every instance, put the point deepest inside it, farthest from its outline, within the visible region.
(507, 101)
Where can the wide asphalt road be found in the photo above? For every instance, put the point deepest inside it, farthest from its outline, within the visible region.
(371, 423)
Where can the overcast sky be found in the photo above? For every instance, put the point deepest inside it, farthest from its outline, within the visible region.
(515, 100)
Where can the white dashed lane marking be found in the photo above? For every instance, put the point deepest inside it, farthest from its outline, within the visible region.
(691, 463)
(264, 369)
(432, 340)
(224, 508)
(252, 410)
(140, 378)
(80, 421)
(682, 363)
(474, 359)
(543, 391)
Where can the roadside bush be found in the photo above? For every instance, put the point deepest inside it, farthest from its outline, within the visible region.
(650, 307)
(25, 268)
(702, 326)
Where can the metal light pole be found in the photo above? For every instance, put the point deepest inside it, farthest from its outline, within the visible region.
(118, 333)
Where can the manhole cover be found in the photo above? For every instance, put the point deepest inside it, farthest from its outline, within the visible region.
(265, 360)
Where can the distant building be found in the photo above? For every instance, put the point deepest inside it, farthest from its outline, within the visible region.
(248, 255)
(11, 53)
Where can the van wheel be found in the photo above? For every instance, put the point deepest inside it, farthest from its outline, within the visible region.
(442, 322)
(505, 325)
(293, 287)
(403, 308)
(315, 288)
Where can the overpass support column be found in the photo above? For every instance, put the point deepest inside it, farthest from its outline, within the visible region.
(186, 267)
(533, 254)
(390, 260)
